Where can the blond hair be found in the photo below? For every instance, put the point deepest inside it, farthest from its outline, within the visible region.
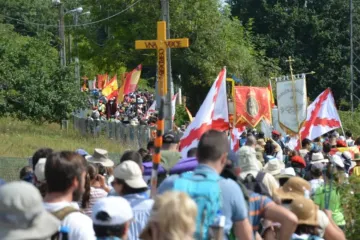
(174, 217)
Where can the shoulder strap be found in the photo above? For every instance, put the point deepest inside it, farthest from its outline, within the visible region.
(207, 175)
(260, 176)
(62, 213)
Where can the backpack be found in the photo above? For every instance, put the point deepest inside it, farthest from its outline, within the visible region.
(207, 195)
(256, 184)
(61, 215)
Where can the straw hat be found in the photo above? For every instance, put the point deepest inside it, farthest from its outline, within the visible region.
(306, 211)
(100, 156)
(318, 157)
(293, 188)
(274, 167)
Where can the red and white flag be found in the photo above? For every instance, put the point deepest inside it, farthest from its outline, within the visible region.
(151, 110)
(322, 117)
(235, 136)
(173, 106)
(213, 114)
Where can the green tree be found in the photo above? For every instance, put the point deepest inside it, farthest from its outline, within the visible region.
(315, 33)
(33, 86)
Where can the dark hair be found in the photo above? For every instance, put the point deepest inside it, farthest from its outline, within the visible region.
(101, 169)
(269, 148)
(326, 147)
(305, 142)
(147, 158)
(129, 190)
(307, 229)
(260, 135)
(40, 153)
(91, 174)
(212, 145)
(150, 145)
(107, 231)
(143, 152)
(26, 173)
(132, 155)
(316, 173)
(192, 152)
(61, 168)
(348, 134)
(357, 141)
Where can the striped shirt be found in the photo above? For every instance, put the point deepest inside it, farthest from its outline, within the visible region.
(95, 194)
(257, 205)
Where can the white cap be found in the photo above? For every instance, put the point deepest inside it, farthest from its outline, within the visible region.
(130, 172)
(118, 209)
(40, 170)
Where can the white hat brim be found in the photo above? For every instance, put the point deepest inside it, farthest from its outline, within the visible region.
(43, 227)
(106, 163)
(136, 183)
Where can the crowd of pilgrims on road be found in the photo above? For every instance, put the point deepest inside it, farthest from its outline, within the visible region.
(262, 191)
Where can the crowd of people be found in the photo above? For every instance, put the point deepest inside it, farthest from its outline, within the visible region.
(262, 191)
(133, 109)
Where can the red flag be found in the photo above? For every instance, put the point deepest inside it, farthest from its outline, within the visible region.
(209, 116)
(111, 89)
(252, 105)
(131, 80)
(272, 101)
(101, 80)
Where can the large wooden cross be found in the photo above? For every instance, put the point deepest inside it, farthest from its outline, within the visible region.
(161, 44)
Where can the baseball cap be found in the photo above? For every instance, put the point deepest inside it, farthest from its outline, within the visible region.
(40, 170)
(82, 152)
(275, 132)
(170, 138)
(130, 172)
(23, 214)
(118, 210)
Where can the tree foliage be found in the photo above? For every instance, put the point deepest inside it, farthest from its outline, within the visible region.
(32, 85)
(315, 33)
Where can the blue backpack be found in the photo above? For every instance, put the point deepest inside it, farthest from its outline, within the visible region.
(204, 189)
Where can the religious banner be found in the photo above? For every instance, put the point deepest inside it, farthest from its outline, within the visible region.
(292, 102)
(251, 105)
(275, 121)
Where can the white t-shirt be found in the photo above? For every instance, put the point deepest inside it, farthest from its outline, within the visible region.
(315, 184)
(80, 225)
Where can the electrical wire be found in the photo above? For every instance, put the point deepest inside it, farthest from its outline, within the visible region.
(78, 25)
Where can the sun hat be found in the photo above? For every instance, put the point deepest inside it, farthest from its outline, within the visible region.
(274, 167)
(318, 157)
(23, 215)
(336, 159)
(356, 157)
(130, 172)
(306, 211)
(100, 156)
(293, 188)
(40, 170)
(247, 161)
(118, 209)
(286, 173)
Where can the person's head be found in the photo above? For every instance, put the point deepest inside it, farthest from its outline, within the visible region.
(326, 147)
(65, 173)
(348, 134)
(306, 144)
(143, 152)
(132, 156)
(147, 158)
(307, 213)
(260, 135)
(112, 217)
(171, 141)
(173, 216)
(316, 170)
(41, 153)
(275, 135)
(128, 179)
(27, 174)
(251, 141)
(192, 152)
(23, 215)
(213, 149)
(269, 148)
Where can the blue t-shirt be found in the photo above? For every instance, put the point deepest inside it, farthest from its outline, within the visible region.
(257, 205)
(233, 202)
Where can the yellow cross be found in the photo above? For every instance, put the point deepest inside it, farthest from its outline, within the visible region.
(161, 44)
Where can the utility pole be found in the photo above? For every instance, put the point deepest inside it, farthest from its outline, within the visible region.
(62, 35)
(165, 16)
(77, 64)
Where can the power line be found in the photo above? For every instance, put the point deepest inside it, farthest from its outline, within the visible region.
(79, 25)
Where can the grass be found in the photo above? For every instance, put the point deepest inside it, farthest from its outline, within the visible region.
(20, 139)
